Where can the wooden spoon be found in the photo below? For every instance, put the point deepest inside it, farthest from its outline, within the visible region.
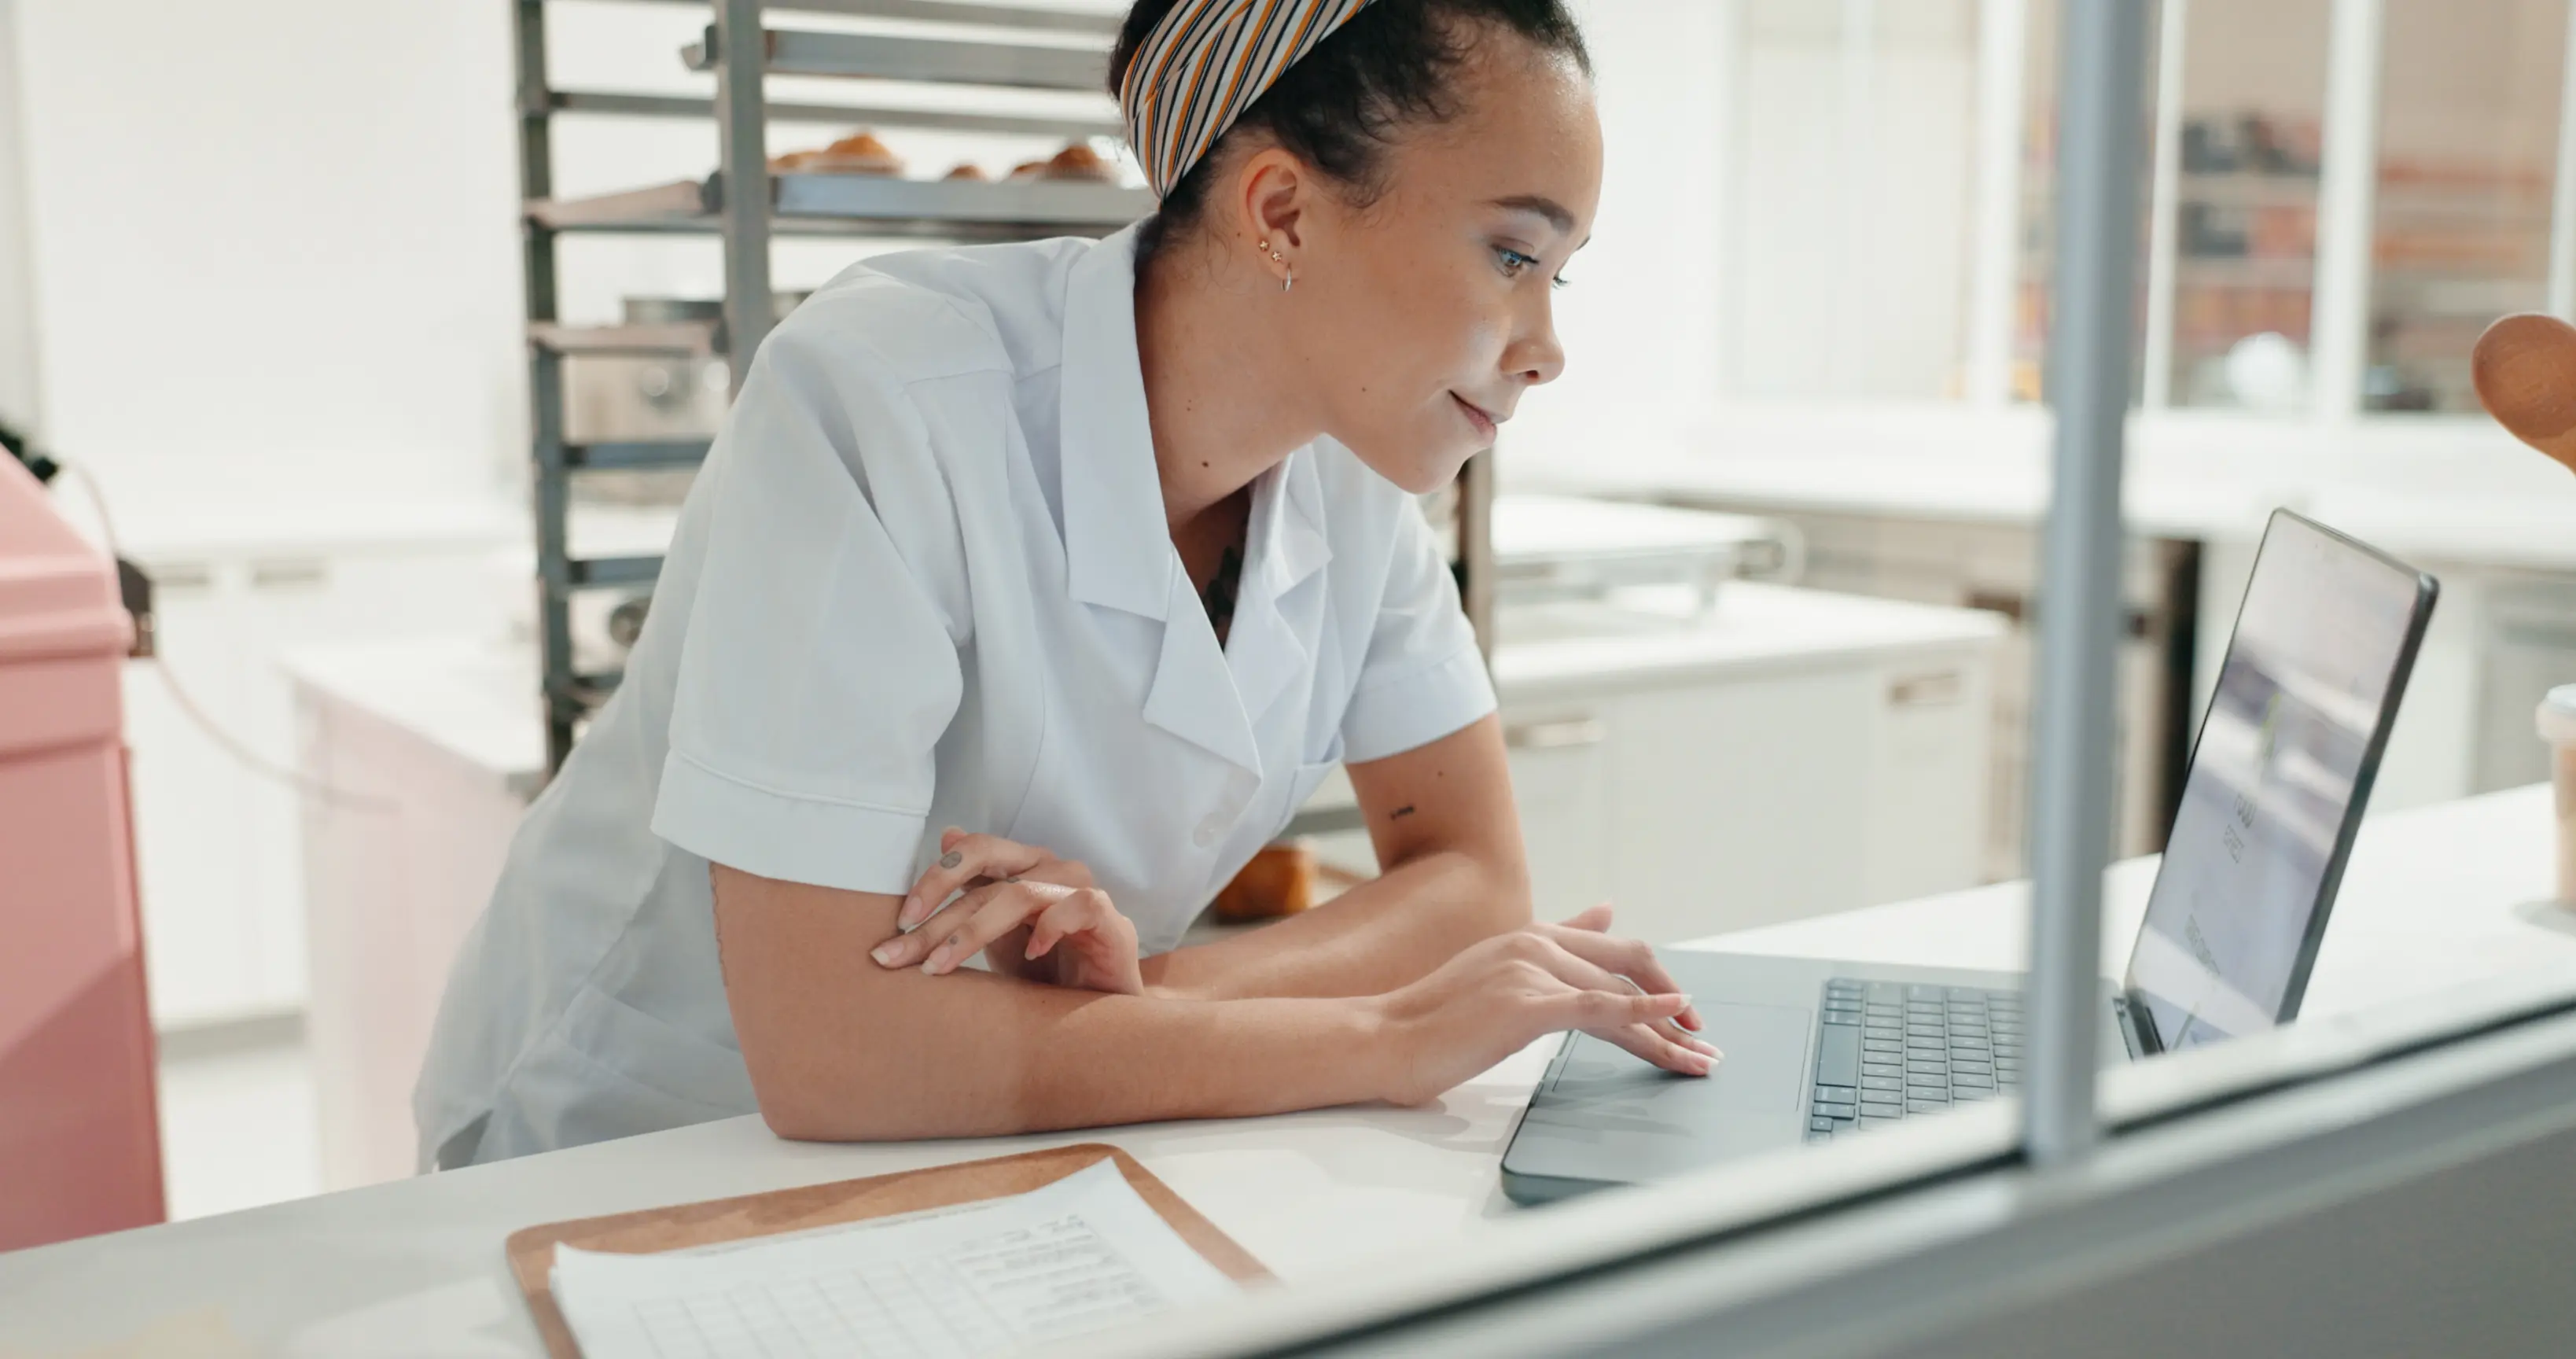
(2525, 371)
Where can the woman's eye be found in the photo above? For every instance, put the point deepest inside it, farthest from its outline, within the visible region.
(1515, 263)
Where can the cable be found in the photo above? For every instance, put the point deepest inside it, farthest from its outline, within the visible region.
(225, 741)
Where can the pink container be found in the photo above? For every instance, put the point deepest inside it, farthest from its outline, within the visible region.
(80, 1146)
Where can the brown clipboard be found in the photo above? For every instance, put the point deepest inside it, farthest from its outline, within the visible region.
(532, 1249)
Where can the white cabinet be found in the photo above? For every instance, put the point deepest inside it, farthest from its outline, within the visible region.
(441, 738)
(1789, 754)
(216, 820)
(1993, 566)
(1739, 802)
(1560, 765)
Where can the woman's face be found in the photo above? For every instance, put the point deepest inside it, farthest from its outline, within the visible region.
(1423, 317)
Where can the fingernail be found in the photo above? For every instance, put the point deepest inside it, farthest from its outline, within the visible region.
(885, 953)
(1690, 1020)
(1705, 1049)
(903, 919)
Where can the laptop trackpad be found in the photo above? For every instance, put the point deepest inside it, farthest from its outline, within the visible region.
(1611, 1115)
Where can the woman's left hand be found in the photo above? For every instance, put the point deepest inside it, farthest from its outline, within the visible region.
(1035, 916)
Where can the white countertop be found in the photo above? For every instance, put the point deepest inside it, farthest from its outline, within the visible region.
(1551, 650)
(2435, 897)
(473, 697)
(2436, 489)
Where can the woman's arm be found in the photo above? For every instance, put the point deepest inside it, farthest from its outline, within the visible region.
(840, 1049)
(1442, 820)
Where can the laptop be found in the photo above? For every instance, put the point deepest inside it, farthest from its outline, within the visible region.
(1819, 1050)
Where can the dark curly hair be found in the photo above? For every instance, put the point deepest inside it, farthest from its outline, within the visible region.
(1336, 110)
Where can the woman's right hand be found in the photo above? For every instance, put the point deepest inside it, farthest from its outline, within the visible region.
(1503, 993)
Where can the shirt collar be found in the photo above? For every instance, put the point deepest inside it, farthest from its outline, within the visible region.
(1117, 546)
(1274, 638)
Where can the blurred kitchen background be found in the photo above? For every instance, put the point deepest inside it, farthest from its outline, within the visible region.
(1758, 575)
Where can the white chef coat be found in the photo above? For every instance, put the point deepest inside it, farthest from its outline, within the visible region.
(925, 580)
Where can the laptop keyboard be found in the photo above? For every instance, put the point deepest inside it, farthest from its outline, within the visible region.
(1886, 1051)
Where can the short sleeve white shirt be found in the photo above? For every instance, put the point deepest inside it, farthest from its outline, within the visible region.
(924, 580)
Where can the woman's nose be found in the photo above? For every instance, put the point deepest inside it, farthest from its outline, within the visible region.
(1536, 357)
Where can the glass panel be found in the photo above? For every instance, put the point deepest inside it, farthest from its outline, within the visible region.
(2245, 206)
(2038, 272)
(1859, 128)
(2468, 136)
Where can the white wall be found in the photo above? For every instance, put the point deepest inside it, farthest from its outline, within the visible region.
(1738, 254)
(274, 248)
(275, 242)
(273, 245)
(1638, 319)
(18, 405)
(1855, 206)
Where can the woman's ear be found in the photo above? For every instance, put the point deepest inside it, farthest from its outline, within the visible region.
(1276, 190)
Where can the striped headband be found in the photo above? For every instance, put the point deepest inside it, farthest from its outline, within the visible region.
(1204, 64)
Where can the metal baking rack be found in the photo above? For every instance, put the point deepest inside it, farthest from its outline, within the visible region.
(991, 46)
(997, 46)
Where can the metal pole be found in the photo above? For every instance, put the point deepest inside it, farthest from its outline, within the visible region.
(21, 365)
(1476, 547)
(2099, 126)
(2347, 209)
(2164, 225)
(742, 57)
(2003, 68)
(550, 493)
(1857, 291)
(2562, 197)
(553, 513)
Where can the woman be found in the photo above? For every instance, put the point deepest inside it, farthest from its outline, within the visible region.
(1104, 553)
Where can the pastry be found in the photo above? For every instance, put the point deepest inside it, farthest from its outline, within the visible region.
(1079, 161)
(860, 153)
(1279, 881)
(968, 170)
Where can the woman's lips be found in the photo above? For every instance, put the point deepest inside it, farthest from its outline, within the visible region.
(1485, 426)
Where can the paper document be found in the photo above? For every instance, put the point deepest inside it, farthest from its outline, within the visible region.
(1077, 1255)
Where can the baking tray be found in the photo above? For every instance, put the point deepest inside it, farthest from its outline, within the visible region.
(865, 205)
